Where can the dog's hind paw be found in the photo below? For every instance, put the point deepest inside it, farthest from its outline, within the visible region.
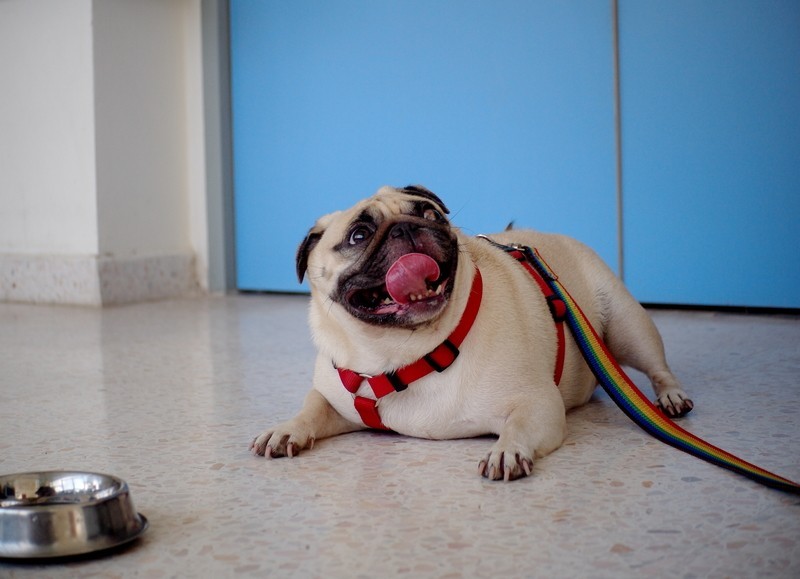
(675, 403)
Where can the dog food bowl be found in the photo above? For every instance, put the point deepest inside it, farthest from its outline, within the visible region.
(61, 514)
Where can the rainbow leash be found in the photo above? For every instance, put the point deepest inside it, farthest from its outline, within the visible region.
(633, 402)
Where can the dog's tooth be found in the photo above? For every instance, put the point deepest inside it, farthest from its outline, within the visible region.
(439, 289)
(412, 297)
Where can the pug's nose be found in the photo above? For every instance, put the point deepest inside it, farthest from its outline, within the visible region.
(403, 230)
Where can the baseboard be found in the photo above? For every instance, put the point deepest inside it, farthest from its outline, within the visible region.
(96, 280)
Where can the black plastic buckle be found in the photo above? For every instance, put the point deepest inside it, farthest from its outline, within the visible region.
(396, 382)
(434, 364)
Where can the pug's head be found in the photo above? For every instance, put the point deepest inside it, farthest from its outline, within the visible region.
(389, 261)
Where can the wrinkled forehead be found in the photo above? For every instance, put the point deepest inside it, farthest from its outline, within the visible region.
(387, 202)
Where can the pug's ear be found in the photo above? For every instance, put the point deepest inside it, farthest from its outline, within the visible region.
(421, 191)
(304, 250)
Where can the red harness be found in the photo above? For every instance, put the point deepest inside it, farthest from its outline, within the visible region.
(558, 309)
(445, 353)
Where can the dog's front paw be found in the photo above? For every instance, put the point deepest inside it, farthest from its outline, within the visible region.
(286, 439)
(675, 403)
(506, 464)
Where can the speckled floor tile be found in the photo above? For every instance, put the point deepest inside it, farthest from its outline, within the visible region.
(168, 395)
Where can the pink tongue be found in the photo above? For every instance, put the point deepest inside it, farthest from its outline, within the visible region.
(407, 276)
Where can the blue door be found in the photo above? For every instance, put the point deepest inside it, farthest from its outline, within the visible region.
(504, 108)
(711, 151)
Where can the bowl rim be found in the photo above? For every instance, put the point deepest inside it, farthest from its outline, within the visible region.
(25, 511)
(117, 487)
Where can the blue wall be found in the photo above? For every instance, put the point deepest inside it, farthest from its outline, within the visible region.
(504, 108)
(711, 150)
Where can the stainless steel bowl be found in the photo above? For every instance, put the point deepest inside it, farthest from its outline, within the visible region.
(60, 514)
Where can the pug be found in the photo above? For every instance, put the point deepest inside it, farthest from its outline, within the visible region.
(392, 282)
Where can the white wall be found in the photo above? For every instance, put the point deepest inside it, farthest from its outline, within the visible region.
(141, 126)
(47, 164)
(102, 154)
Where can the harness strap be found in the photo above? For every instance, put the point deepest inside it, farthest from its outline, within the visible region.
(557, 308)
(633, 402)
(438, 360)
(446, 353)
(366, 407)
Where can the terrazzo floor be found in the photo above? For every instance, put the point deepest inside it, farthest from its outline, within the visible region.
(168, 395)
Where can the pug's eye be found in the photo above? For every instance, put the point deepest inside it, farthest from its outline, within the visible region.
(360, 234)
(432, 215)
